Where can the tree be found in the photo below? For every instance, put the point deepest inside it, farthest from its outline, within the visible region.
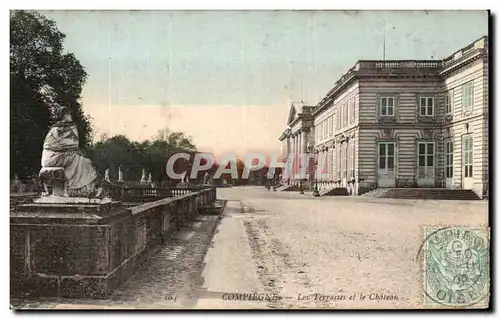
(118, 151)
(176, 140)
(110, 153)
(37, 59)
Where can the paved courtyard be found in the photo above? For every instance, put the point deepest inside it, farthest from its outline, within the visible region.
(318, 252)
(293, 251)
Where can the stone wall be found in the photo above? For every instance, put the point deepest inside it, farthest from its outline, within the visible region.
(88, 250)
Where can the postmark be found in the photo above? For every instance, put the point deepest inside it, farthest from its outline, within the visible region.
(456, 266)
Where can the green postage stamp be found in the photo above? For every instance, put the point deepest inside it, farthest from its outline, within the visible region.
(456, 263)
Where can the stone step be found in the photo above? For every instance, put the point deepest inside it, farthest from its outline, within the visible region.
(424, 193)
(339, 191)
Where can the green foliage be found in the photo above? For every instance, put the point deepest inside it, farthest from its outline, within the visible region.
(134, 156)
(36, 59)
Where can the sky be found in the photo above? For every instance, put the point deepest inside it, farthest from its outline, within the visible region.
(227, 78)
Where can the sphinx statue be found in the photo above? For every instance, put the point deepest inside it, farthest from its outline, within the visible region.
(63, 164)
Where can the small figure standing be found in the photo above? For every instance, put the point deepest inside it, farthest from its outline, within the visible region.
(106, 175)
(143, 177)
(120, 175)
(150, 179)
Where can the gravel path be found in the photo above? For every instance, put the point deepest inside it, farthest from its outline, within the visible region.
(329, 252)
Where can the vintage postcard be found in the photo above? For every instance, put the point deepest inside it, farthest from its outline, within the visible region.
(308, 159)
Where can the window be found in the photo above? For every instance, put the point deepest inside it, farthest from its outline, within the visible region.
(351, 159)
(348, 151)
(339, 165)
(448, 102)
(339, 117)
(387, 104)
(349, 115)
(448, 150)
(324, 129)
(330, 126)
(345, 115)
(426, 106)
(467, 95)
(326, 163)
(351, 112)
(468, 159)
(386, 156)
(344, 159)
(425, 158)
(334, 120)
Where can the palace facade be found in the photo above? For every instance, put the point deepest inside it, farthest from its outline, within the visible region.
(401, 123)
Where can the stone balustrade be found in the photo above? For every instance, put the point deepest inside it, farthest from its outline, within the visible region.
(147, 194)
(399, 64)
(88, 250)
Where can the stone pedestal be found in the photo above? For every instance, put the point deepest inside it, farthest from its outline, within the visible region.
(64, 249)
(54, 178)
(85, 248)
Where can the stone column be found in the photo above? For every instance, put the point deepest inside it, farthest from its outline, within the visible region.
(304, 142)
(287, 145)
(294, 156)
(299, 151)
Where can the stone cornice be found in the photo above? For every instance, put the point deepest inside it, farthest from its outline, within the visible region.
(285, 134)
(464, 61)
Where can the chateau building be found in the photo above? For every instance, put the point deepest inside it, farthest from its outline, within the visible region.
(400, 123)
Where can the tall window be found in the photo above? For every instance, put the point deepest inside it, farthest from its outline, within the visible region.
(351, 112)
(467, 95)
(330, 126)
(346, 154)
(448, 148)
(350, 159)
(426, 106)
(353, 151)
(387, 104)
(468, 159)
(339, 117)
(386, 156)
(425, 158)
(448, 102)
(334, 121)
(324, 129)
(345, 115)
(338, 163)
